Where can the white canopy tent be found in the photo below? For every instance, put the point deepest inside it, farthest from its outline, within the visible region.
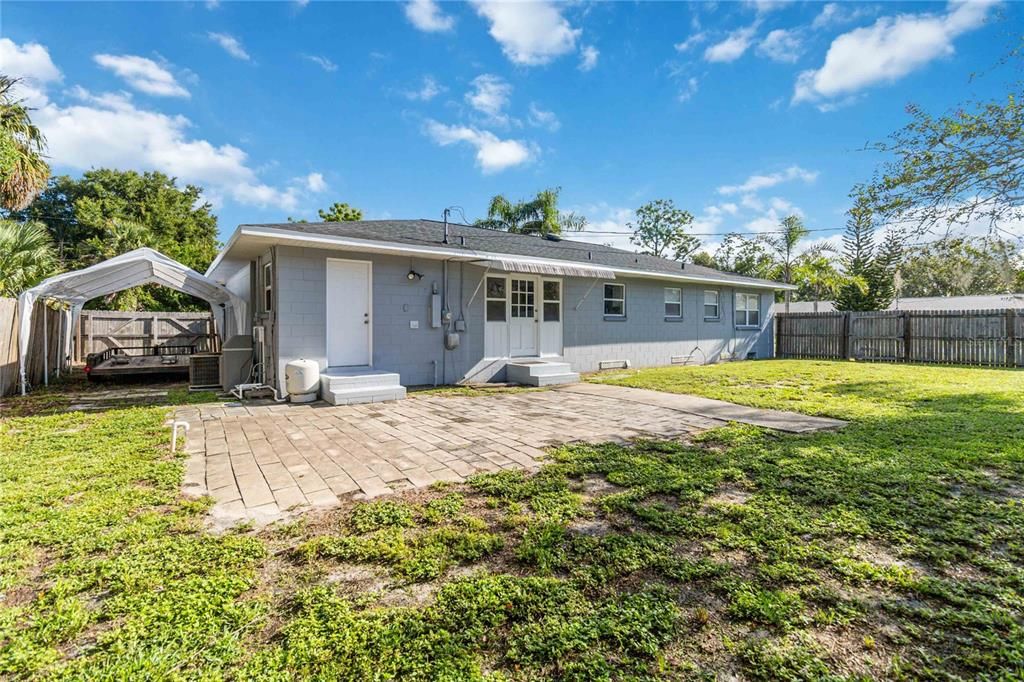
(132, 269)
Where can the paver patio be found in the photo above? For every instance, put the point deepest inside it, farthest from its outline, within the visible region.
(264, 461)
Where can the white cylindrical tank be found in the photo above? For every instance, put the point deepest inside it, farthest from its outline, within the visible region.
(302, 380)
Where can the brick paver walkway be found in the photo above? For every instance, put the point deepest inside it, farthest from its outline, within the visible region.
(261, 462)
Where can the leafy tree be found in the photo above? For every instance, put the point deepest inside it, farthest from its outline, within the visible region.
(954, 169)
(747, 257)
(91, 218)
(660, 230)
(26, 256)
(539, 215)
(870, 271)
(340, 213)
(23, 172)
(963, 267)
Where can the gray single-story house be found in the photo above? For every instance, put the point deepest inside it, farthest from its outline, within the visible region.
(383, 304)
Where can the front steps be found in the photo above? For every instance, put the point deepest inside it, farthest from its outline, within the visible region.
(539, 372)
(353, 385)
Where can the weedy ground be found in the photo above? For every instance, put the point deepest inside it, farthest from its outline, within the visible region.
(891, 549)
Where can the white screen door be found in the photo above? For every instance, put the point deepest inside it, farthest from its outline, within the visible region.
(349, 326)
(522, 326)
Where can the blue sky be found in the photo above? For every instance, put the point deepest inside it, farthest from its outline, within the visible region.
(740, 112)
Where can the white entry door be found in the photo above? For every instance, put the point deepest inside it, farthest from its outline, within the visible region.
(522, 323)
(349, 303)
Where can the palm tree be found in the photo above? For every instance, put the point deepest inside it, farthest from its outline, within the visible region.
(540, 215)
(26, 256)
(791, 232)
(23, 172)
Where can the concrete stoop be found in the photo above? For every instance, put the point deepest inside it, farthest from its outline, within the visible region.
(353, 385)
(540, 372)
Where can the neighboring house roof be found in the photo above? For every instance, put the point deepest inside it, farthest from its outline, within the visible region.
(983, 302)
(471, 241)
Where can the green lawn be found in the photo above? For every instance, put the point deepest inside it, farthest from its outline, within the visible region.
(893, 548)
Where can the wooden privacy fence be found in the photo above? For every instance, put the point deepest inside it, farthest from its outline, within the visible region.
(101, 330)
(9, 377)
(962, 337)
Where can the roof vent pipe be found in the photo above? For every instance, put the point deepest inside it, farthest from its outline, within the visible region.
(446, 212)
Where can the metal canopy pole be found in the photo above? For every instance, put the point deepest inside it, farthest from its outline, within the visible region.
(46, 351)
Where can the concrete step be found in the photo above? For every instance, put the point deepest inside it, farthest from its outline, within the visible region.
(344, 378)
(540, 372)
(363, 394)
(556, 379)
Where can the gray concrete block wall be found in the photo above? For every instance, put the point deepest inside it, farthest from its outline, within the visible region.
(645, 337)
(396, 301)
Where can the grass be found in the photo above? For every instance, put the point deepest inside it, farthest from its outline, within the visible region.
(891, 549)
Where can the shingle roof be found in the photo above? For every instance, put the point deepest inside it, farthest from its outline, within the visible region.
(471, 238)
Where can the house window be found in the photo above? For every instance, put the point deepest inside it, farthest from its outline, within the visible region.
(711, 305)
(496, 297)
(748, 310)
(614, 300)
(268, 287)
(673, 302)
(552, 301)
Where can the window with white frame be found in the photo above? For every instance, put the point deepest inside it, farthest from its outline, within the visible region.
(614, 300)
(496, 295)
(711, 311)
(552, 301)
(673, 302)
(268, 286)
(748, 310)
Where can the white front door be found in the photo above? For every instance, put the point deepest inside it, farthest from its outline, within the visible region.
(349, 303)
(523, 323)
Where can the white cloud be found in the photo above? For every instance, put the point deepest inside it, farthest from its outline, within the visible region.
(604, 218)
(492, 154)
(142, 74)
(31, 62)
(784, 206)
(834, 14)
(688, 91)
(109, 130)
(427, 16)
(229, 44)
(323, 62)
(530, 33)
(426, 92)
(588, 57)
(781, 45)
(301, 4)
(490, 95)
(887, 50)
(758, 182)
(539, 118)
(733, 47)
(315, 182)
(691, 42)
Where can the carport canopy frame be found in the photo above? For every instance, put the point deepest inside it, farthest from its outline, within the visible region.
(132, 269)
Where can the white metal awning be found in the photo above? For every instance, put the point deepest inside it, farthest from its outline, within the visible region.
(135, 268)
(537, 267)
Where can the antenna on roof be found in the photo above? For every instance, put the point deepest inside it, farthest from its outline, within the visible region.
(446, 212)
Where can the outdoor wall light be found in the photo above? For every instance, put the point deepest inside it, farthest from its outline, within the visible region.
(413, 275)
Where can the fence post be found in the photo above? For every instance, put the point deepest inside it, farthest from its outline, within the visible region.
(1011, 340)
(906, 337)
(846, 336)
